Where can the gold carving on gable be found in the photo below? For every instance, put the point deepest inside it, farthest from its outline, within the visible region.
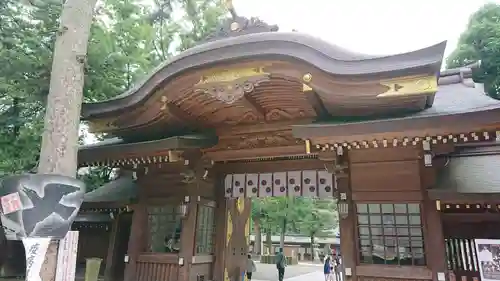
(410, 86)
(230, 75)
(260, 140)
(230, 85)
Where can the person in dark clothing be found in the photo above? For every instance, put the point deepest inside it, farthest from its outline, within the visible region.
(327, 269)
(280, 264)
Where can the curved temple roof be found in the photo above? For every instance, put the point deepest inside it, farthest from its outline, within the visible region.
(259, 42)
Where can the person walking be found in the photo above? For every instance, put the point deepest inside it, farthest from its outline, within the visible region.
(336, 267)
(281, 264)
(327, 269)
(251, 268)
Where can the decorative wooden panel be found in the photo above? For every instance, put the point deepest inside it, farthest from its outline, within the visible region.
(155, 267)
(385, 176)
(308, 183)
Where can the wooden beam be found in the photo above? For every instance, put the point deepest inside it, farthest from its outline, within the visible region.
(317, 104)
(269, 166)
(187, 119)
(110, 257)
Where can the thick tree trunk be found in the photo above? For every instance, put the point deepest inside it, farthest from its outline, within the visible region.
(283, 233)
(312, 247)
(269, 241)
(58, 154)
(59, 148)
(257, 248)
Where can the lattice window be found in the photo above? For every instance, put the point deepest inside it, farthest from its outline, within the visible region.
(390, 234)
(205, 230)
(165, 226)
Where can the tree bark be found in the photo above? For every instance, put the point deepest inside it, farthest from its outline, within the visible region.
(283, 233)
(59, 148)
(257, 248)
(312, 247)
(269, 241)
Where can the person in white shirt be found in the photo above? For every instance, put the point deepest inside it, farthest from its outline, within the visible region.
(251, 268)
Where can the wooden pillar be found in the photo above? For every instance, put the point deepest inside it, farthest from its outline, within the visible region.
(188, 238)
(220, 232)
(348, 233)
(137, 242)
(435, 247)
(110, 258)
(237, 237)
(434, 244)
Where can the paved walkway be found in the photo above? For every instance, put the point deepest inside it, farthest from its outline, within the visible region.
(268, 272)
(312, 276)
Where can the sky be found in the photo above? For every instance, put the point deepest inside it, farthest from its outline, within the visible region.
(369, 26)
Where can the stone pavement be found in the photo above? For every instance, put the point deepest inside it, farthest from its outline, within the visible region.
(268, 272)
(312, 276)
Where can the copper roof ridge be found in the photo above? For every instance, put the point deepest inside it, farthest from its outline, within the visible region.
(461, 75)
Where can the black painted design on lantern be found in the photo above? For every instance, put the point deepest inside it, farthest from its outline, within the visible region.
(263, 182)
(268, 189)
(328, 188)
(322, 181)
(311, 188)
(229, 190)
(296, 188)
(250, 182)
(237, 183)
(307, 181)
(282, 189)
(291, 181)
(49, 205)
(241, 190)
(254, 190)
(277, 181)
(42, 206)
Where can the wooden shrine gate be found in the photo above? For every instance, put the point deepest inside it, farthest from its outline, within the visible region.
(241, 187)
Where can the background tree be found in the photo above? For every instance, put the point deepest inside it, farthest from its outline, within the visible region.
(115, 60)
(316, 217)
(481, 41)
(289, 215)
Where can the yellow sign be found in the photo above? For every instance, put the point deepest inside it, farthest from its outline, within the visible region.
(231, 75)
(410, 86)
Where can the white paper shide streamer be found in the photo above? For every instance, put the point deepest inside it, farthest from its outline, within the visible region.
(35, 249)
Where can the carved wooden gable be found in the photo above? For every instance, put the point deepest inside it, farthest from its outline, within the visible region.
(307, 183)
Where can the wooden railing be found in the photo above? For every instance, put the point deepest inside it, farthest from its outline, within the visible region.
(157, 267)
(462, 259)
